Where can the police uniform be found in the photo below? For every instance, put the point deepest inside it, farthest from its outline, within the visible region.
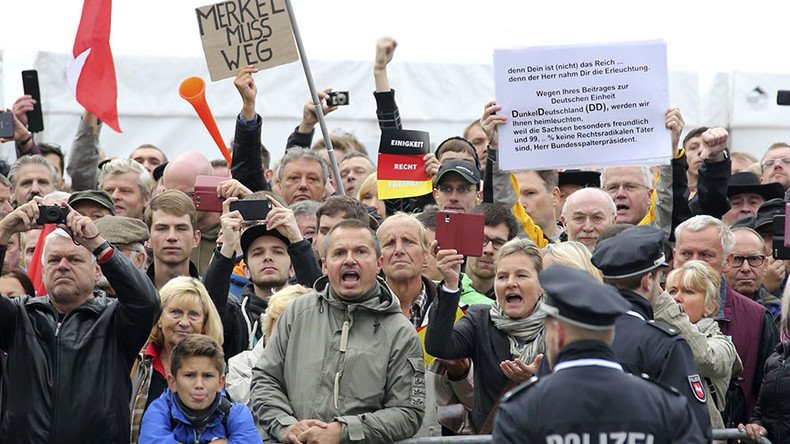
(641, 344)
(589, 398)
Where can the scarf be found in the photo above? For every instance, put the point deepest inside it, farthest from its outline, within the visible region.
(198, 418)
(529, 330)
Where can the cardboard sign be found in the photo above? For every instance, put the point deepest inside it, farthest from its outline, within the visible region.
(239, 33)
(574, 106)
(401, 169)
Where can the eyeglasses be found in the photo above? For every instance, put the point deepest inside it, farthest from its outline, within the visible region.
(497, 243)
(461, 189)
(754, 261)
(767, 163)
(628, 186)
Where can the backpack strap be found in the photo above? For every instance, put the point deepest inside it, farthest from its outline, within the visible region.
(224, 406)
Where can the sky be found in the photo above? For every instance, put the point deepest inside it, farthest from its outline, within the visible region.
(705, 36)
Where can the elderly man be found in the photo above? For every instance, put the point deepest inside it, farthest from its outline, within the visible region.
(128, 235)
(632, 262)
(748, 323)
(746, 194)
(303, 175)
(5, 195)
(54, 343)
(366, 378)
(172, 218)
(92, 203)
(129, 184)
(31, 176)
(404, 246)
(586, 213)
(630, 189)
(745, 272)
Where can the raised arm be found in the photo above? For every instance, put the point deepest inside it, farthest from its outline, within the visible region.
(714, 175)
(84, 156)
(303, 133)
(247, 167)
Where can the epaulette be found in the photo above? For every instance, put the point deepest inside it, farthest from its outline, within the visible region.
(665, 328)
(666, 387)
(523, 386)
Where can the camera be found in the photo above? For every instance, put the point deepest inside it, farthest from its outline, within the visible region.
(337, 98)
(51, 214)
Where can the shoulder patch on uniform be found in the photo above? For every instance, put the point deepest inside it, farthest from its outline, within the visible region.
(520, 388)
(696, 388)
(666, 387)
(668, 330)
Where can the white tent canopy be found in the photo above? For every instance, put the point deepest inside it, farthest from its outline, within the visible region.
(441, 73)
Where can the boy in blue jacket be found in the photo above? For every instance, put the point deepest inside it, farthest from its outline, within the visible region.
(193, 409)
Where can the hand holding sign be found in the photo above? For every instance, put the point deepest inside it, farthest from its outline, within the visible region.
(673, 120)
(489, 122)
(246, 86)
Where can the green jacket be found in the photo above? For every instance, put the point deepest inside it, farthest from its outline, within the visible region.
(375, 386)
(468, 294)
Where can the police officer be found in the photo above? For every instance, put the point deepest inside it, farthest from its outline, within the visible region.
(633, 261)
(589, 398)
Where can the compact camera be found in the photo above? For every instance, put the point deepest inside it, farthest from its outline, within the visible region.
(51, 214)
(337, 98)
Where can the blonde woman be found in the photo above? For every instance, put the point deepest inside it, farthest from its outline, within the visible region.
(186, 309)
(237, 383)
(368, 194)
(571, 254)
(690, 302)
(504, 340)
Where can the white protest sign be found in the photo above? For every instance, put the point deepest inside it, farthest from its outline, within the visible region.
(239, 33)
(572, 106)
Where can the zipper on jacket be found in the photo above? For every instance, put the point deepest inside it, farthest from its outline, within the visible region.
(343, 348)
(56, 368)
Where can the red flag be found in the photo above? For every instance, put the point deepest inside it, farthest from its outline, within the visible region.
(91, 72)
(34, 271)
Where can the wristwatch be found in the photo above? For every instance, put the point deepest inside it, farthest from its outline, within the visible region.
(100, 249)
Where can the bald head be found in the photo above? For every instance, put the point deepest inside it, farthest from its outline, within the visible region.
(181, 172)
(586, 213)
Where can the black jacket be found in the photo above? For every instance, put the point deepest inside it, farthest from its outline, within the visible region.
(643, 345)
(247, 167)
(68, 378)
(590, 399)
(772, 410)
(234, 319)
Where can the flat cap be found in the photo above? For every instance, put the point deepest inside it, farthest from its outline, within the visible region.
(574, 296)
(767, 211)
(96, 196)
(122, 230)
(465, 168)
(631, 252)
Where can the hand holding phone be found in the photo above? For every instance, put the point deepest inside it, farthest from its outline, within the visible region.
(35, 120)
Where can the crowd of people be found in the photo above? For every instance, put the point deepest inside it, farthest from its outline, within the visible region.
(633, 303)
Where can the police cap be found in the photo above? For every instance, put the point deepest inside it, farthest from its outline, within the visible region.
(631, 252)
(574, 296)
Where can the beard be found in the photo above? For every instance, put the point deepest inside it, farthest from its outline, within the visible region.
(270, 281)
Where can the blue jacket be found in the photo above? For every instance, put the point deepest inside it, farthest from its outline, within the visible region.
(157, 425)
